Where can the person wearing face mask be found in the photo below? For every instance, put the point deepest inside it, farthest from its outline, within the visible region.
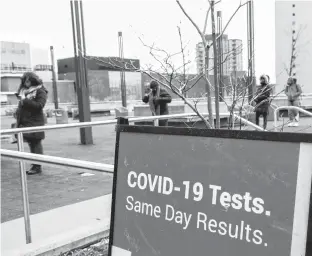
(293, 92)
(33, 96)
(262, 100)
(158, 100)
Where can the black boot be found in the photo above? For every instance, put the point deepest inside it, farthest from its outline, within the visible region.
(35, 169)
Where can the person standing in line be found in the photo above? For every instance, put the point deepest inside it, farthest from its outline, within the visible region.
(262, 100)
(32, 97)
(158, 100)
(293, 92)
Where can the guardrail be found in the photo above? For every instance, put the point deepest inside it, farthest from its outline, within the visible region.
(287, 108)
(54, 160)
(108, 122)
(22, 156)
(42, 159)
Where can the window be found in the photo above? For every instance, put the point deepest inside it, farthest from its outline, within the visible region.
(294, 74)
(294, 14)
(294, 23)
(294, 5)
(294, 65)
(294, 31)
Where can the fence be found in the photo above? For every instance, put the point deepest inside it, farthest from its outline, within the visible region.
(22, 156)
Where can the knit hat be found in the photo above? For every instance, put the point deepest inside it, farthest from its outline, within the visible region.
(266, 78)
(290, 80)
(154, 84)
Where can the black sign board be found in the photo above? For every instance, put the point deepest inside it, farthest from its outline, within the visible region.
(180, 191)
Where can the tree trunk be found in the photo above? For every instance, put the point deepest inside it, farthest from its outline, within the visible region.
(215, 69)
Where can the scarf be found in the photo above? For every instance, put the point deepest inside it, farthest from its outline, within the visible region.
(30, 93)
(155, 109)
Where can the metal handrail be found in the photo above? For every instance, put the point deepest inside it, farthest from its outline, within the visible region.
(288, 107)
(96, 123)
(67, 162)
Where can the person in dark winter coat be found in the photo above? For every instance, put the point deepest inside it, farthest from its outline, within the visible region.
(33, 96)
(158, 100)
(262, 100)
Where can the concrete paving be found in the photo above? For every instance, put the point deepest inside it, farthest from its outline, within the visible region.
(49, 225)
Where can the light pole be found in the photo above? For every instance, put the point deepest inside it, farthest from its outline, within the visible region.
(81, 70)
(55, 94)
(251, 49)
(122, 72)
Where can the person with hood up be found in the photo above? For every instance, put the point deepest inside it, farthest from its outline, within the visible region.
(262, 100)
(33, 97)
(293, 92)
(158, 100)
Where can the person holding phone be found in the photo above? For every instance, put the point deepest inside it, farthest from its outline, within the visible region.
(32, 97)
(158, 100)
(262, 100)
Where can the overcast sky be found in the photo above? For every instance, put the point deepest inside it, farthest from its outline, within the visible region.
(45, 22)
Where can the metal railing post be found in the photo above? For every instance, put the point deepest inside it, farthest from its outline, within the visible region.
(20, 145)
(287, 108)
(275, 119)
(156, 122)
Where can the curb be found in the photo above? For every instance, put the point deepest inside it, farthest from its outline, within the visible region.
(65, 242)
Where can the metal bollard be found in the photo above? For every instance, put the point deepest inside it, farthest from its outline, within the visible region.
(156, 122)
(24, 190)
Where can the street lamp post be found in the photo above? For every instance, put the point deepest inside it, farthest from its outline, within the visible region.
(81, 70)
(251, 52)
(122, 72)
(55, 94)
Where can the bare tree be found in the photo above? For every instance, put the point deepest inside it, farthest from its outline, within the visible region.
(175, 78)
(207, 46)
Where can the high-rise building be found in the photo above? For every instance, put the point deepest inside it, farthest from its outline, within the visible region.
(232, 58)
(293, 43)
(235, 61)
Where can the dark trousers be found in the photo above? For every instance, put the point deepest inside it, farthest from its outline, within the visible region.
(35, 147)
(265, 118)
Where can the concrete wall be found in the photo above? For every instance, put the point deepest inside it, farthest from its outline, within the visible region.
(10, 83)
(104, 85)
(65, 90)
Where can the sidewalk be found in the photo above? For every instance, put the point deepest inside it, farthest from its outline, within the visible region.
(49, 225)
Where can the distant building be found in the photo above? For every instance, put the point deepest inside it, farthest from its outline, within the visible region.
(232, 58)
(293, 20)
(41, 64)
(44, 71)
(235, 59)
(103, 78)
(15, 57)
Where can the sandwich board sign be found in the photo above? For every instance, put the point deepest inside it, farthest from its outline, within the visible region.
(180, 191)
